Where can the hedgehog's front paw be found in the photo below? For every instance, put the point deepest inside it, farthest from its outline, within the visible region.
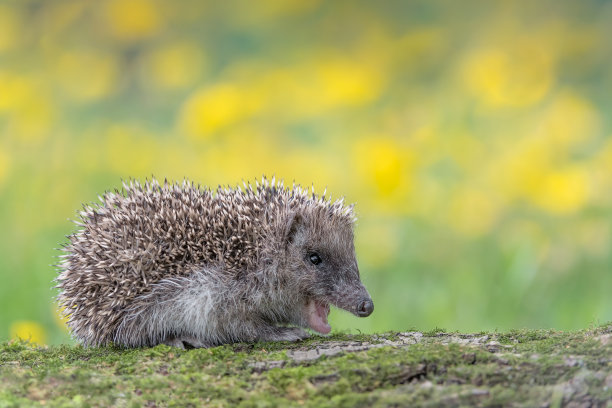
(174, 342)
(288, 334)
(185, 342)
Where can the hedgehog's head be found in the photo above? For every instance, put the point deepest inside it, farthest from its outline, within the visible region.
(320, 251)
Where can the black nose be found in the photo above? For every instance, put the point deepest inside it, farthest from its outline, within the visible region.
(365, 308)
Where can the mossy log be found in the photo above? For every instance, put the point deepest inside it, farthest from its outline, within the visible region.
(535, 368)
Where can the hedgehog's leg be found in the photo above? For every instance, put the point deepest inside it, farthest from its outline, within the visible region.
(284, 334)
(185, 342)
(174, 342)
(179, 312)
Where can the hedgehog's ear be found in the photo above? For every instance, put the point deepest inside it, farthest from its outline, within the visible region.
(294, 226)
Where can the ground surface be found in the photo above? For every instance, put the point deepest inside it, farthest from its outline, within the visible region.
(518, 368)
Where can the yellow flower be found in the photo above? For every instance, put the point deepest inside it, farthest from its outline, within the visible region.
(238, 155)
(569, 120)
(28, 106)
(214, 108)
(386, 168)
(28, 330)
(380, 162)
(131, 20)
(314, 86)
(14, 91)
(517, 173)
(346, 82)
(562, 191)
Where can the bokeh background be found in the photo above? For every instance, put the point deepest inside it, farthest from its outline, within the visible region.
(474, 136)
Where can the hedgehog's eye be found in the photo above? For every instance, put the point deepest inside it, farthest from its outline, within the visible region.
(315, 258)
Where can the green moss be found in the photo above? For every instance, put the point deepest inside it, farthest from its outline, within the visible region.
(520, 367)
(434, 332)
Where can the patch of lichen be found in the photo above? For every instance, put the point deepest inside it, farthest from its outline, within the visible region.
(520, 367)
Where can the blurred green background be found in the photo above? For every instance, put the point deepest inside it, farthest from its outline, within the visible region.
(474, 136)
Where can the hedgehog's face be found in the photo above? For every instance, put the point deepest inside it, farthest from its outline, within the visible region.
(321, 252)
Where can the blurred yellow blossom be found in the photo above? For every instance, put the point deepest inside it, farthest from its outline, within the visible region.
(26, 101)
(14, 90)
(28, 330)
(386, 169)
(519, 75)
(133, 19)
(562, 191)
(86, 75)
(213, 108)
(517, 171)
(327, 82)
(240, 153)
(380, 162)
(570, 119)
(173, 65)
(314, 86)
(346, 82)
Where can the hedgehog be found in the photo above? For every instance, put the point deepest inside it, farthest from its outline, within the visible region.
(179, 264)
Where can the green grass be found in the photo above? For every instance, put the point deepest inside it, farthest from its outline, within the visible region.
(516, 368)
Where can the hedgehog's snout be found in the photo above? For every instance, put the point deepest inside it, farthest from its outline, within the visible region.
(365, 308)
(354, 299)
